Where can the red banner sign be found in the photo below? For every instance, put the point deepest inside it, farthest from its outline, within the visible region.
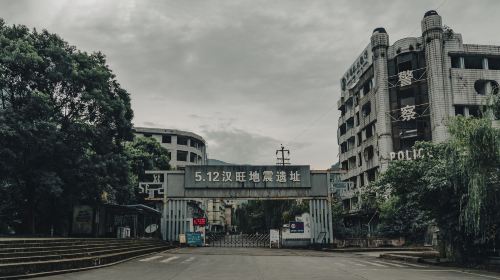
(199, 222)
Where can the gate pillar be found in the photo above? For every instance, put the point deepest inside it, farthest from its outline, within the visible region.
(175, 221)
(321, 221)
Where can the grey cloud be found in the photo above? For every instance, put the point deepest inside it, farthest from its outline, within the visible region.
(238, 146)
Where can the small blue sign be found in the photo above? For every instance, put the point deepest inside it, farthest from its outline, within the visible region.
(296, 227)
(194, 239)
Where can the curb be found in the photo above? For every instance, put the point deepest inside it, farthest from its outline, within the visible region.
(405, 258)
(350, 250)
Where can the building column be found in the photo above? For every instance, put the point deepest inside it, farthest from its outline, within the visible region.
(432, 34)
(380, 43)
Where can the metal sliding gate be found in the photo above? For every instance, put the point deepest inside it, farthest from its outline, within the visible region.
(237, 240)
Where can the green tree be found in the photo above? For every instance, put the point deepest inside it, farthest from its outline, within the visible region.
(63, 118)
(457, 185)
(262, 215)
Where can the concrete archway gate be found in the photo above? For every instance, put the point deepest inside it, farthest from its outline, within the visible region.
(175, 188)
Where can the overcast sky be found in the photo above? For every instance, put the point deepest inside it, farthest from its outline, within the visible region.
(246, 75)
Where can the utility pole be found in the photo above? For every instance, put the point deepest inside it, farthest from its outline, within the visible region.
(283, 160)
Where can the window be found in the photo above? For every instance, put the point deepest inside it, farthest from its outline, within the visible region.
(475, 111)
(369, 131)
(372, 175)
(344, 165)
(195, 143)
(192, 157)
(182, 140)
(343, 147)
(359, 139)
(360, 160)
(366, 109)
(473, 62)
(404, 66)
(351, 142)
(342, 129)
(182, 155)
(352, 162)
(455, 62)
(166, 139)
(459, 110)
(349, 123)
(147, 135)
(367, 87)
(368, 153)
(494, 63)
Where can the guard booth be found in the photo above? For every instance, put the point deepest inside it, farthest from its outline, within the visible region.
(116, 221)
(200, 182)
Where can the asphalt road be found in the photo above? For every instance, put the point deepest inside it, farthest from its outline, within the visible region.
(261, 263)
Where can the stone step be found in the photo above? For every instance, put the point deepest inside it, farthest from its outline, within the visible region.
(40, 251)
(45, 246)
(51, 240)
(39, 268)
(67, 255)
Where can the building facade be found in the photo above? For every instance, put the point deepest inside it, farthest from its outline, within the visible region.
(396, 94)
(216, 215)
(184, 148)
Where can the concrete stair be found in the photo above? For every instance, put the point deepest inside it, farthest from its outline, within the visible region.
(24, 258)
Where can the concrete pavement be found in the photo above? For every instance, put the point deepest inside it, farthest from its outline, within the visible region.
(262, 263)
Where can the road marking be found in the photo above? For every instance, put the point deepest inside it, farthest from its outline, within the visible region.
(390, 263)
(373, 263)
(460, 271)
(189, 260)
(150, 259)
(169, 259)
(355, 263)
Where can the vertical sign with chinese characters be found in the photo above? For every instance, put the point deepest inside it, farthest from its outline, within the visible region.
(247, 176)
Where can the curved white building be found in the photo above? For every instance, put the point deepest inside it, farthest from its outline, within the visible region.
(184, 147)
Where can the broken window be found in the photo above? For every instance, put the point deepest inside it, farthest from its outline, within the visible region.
(182, 155)
(459, 110)
(475, 111)
(166, 139)
(345, 165)
(494, 63)
(182, 140)
(473, 62)
(342, 129)
(368, 153)
(369, 131)
(367, 87)
(366, 109)
(192, 157)
(455, 62)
